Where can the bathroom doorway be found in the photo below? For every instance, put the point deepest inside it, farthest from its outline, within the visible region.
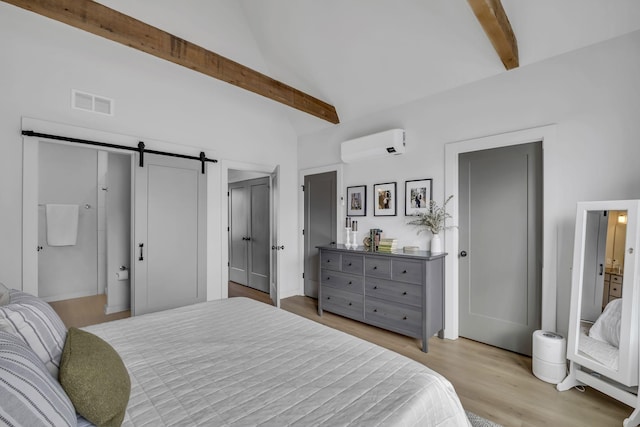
(84, 226)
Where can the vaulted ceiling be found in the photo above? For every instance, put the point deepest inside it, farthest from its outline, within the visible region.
(365, 56)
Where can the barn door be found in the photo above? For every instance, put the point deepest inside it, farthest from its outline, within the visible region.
(170, 234)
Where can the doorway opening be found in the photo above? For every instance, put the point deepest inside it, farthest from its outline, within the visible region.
(249, 229)
(83, 232)
(252, 218)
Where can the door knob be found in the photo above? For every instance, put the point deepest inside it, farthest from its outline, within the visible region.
(463, 254)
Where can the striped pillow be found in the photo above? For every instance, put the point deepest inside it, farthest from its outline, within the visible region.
(33, 320)
(29, 395)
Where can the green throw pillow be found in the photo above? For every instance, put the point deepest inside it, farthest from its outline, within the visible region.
(95, 379)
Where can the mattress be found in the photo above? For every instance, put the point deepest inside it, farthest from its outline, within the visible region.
(238, 362)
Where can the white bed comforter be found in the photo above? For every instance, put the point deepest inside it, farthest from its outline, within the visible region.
(240, 362)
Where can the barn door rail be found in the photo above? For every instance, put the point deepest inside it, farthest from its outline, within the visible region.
(202, 158)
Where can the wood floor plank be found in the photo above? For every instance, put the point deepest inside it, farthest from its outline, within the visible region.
(79, 312)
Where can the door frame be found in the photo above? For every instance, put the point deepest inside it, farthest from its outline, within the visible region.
(547, 136)
(340, 211)
(225, 165)
(30, 187)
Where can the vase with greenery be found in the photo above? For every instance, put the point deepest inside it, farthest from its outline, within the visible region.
(433, 220)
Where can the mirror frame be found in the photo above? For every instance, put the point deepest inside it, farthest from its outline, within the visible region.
(627, 372)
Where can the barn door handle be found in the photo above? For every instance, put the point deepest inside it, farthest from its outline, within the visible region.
(601, 269)
(141, 257)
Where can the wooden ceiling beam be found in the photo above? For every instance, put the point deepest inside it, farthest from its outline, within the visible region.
(495, 23)
(100, 20)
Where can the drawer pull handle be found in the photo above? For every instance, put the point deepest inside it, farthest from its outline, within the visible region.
(350, 264)
(404, 293)
(404, 318)
(404, 272)
(328, 297)
(349, 283)
(375, 310)
(328, 278)
(375, 287)
(350, 304)
(375, 267)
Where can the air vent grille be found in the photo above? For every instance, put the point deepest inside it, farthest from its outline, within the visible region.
(92, 103)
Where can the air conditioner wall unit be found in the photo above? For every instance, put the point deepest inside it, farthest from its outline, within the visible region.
(389, 142)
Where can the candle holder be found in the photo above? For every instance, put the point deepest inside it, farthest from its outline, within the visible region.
(348, 242)
(354, 244)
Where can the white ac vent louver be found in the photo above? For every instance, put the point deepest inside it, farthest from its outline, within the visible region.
(390, 142)
(91, 103)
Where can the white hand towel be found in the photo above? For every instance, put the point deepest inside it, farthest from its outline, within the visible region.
(62, 225)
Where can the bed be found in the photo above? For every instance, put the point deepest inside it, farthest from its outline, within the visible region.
(240, 362)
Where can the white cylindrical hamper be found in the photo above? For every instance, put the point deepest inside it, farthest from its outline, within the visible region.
(549, 356)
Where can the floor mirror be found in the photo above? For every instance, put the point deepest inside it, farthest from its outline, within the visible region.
(603, 337)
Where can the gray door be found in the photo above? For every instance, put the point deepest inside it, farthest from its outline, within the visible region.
(595, 245)
(249, 233)
(170, 234)
(319, 224)
(238, 233)
(500, 260)
(259, 237)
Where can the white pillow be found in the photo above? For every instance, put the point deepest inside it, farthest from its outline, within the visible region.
(607, 327)
(29, 396)
(37, 324)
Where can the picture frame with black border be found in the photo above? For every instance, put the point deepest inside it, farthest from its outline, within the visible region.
(385, 199)
(357, 200)
(417, 196)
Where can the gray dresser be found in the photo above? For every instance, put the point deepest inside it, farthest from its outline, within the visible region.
(401, 292)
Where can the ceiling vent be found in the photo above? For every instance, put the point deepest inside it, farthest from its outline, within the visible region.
(92, 103)
(390, 142)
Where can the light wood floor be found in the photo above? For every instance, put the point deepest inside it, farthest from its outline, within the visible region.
(493, 383)
(79, 312)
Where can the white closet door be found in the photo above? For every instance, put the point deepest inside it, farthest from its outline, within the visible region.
(170, 234)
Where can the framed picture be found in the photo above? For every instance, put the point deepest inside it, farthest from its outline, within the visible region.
(357, 200)
(384, 202)
(417, 195)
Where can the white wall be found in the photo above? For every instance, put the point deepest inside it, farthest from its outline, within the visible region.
(593, 95)
(165, 105)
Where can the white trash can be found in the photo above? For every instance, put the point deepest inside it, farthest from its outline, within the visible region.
(549, 356)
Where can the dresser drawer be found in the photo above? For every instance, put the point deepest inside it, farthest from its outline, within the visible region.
(352, 264)
(396, 317)
(346, 304)
(330, 260)
(615, 290)
(405, 293)
(346, 282)
(377, 267)
(407, 271)
(616, 279)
